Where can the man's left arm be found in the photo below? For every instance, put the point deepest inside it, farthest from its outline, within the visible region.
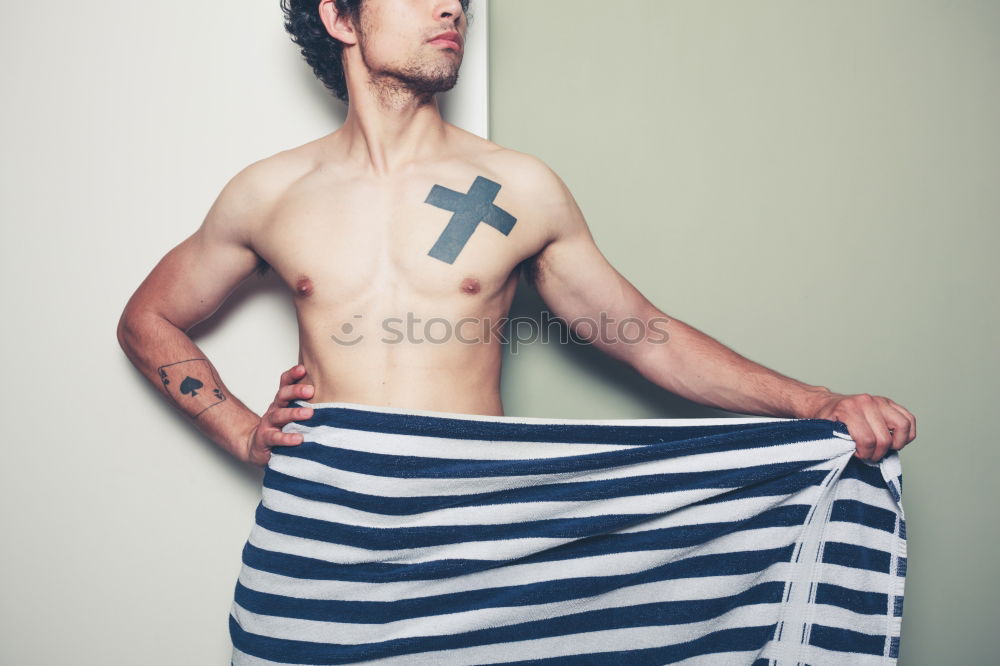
(579, 285)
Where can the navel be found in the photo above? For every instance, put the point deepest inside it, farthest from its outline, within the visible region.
(470, 286)
(304, 287)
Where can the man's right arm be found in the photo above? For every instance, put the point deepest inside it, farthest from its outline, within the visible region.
(579, 284)
(188, 284)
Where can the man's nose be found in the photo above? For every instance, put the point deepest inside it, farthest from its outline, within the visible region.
(448, 9)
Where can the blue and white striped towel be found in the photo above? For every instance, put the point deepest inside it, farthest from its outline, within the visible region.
(394, 536)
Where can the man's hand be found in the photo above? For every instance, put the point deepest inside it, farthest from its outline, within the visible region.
(267, 434)
(875, 423)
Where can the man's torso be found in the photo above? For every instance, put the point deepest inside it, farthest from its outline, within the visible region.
(381, 320)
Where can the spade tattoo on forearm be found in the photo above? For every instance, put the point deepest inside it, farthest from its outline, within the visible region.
(192, 384)
(469, 210)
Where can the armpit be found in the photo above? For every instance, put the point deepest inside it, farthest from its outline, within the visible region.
(531, 268)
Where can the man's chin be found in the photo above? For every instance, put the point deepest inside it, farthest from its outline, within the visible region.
(437, 85)
(427, 79)
(447, 85)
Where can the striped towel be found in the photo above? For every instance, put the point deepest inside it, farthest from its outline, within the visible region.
(393, 536)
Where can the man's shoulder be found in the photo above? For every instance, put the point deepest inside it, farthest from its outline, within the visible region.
(524, 175)
(271, 176)
(254, 192)
(537, 191)
(515, 165)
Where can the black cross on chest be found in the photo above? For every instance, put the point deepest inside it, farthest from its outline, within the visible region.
(469, 210)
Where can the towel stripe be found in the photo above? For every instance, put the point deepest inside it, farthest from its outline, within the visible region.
(394, 536)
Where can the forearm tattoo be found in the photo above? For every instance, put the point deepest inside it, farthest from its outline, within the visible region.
(192, 384)
(469, 210)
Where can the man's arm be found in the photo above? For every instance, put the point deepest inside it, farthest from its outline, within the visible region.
(188, 284)
(577, 282)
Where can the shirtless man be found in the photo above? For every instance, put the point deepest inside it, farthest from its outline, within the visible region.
(398, 213)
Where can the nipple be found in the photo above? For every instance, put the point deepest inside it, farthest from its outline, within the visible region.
(304, 287)
(470, 286)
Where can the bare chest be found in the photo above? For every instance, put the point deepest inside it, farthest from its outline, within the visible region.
(420, 239)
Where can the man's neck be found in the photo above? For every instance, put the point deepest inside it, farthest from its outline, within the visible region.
(387, 131)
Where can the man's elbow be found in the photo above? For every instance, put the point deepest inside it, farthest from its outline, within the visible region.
(127, 330)
(644, 339)
(134, 326)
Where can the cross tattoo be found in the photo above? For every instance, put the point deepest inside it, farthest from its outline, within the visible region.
(469, 210)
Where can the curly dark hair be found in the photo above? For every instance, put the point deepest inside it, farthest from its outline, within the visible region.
(320, 50)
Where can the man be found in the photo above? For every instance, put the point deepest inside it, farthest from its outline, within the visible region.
(399, 217)
(366, 226)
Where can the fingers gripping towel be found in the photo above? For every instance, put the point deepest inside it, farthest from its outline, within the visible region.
(394, 536)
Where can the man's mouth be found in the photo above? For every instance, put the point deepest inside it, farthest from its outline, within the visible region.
(449, 39)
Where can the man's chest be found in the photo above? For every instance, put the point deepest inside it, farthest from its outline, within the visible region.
(434, 236)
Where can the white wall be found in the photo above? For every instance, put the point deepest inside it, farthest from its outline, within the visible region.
(121, 122)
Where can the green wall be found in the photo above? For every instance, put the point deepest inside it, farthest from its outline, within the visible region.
(815, 184)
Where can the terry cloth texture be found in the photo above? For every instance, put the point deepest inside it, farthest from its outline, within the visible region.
(393, 536)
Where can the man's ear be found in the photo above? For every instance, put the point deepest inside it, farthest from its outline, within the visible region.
(337, 25)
